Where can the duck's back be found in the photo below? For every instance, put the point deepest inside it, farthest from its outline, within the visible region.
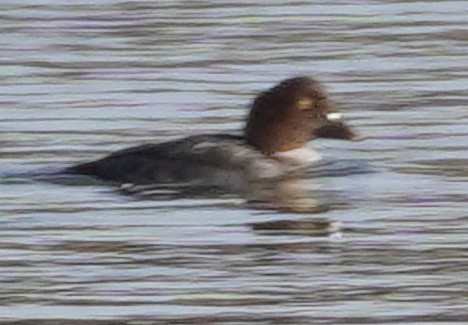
(184, 160)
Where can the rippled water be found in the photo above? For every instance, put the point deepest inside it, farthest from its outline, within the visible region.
(80, 79)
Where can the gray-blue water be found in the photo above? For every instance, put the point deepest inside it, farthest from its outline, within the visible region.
(81, 79)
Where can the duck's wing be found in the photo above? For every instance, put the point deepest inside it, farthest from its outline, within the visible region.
(173, 161)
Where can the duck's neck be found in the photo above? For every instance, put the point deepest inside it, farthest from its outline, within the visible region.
(301, 156)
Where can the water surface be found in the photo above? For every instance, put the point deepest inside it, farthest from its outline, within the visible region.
(78, 80)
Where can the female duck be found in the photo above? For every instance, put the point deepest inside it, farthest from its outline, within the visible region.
(280, 123)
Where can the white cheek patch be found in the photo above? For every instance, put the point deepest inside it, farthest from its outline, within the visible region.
(334, 116)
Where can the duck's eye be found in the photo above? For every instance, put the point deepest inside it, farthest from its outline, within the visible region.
(304, 104)
(334, 116)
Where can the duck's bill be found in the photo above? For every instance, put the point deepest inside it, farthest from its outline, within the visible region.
(336, 130)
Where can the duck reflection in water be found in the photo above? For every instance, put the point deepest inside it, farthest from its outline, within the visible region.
(264, 163)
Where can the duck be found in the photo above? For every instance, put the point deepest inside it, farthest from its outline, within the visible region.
(281, 122)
